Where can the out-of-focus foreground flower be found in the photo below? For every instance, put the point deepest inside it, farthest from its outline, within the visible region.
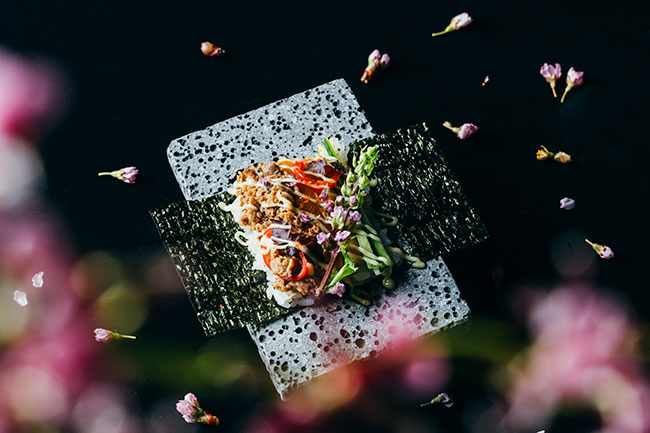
(376, 61)
(603, 251)
(585, 349)
(463, 131)
(573, 79)
(32, 95)
(211, 50)
(192, 412)
(126, 174)
(551, 74)
(457, 22)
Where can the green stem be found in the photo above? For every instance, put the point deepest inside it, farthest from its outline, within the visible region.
(359, 299)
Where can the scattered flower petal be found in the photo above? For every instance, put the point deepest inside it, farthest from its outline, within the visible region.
(337, 289)
(37, 279)
(376, 61)
(603, 251)
(567, 203)
(211, 50)
(562, 157)
(573, 79)
(104, 335)
(192, 412)
(551, 74)
(322, 238)
(463, 131)
(457, 22)
(442, 398)
(20, 298)
(126, 174)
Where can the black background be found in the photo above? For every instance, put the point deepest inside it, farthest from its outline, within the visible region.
(138, 80)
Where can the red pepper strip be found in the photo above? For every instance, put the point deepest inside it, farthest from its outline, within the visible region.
(304, 262)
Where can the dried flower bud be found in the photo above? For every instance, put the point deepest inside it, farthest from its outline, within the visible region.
(457, 22)
(192, 412)
(442, 398)
(211, 50)
(603, 251)
(375, 61)
(544, 153)
(463, 131)
(567, 203)
(562, 157)
(573, 79)
(126, 174)
(551, 74)
(104, 335)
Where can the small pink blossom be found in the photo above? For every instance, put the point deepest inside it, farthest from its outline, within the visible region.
(353, 200)
(104, 335)
(304, 218)
(211, 50)
(457, 22)
(603, 251)
(376, 61)
(567, 203)
(355, 216)
(551, 74)
(126, 174)
(337, 289)
(463, 131)
(573, 79)
(192, 412)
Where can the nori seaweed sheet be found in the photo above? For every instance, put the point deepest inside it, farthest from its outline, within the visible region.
(415, 184)
(215, 269)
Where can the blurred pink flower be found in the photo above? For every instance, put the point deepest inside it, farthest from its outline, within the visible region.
(126, 174)
(573, 79)
(32, 94)
(551, 74)
(603, 251)
(584, 349)
(463, 131)
(191, 411)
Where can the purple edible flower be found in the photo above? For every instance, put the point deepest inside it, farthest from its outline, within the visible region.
(353, 200)
(304, 218)
(339, 199)
(291, 184)
(322, 238)
(324, 195)
(355, 216)
(338, 211)
(342, 235)
(337, 289)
